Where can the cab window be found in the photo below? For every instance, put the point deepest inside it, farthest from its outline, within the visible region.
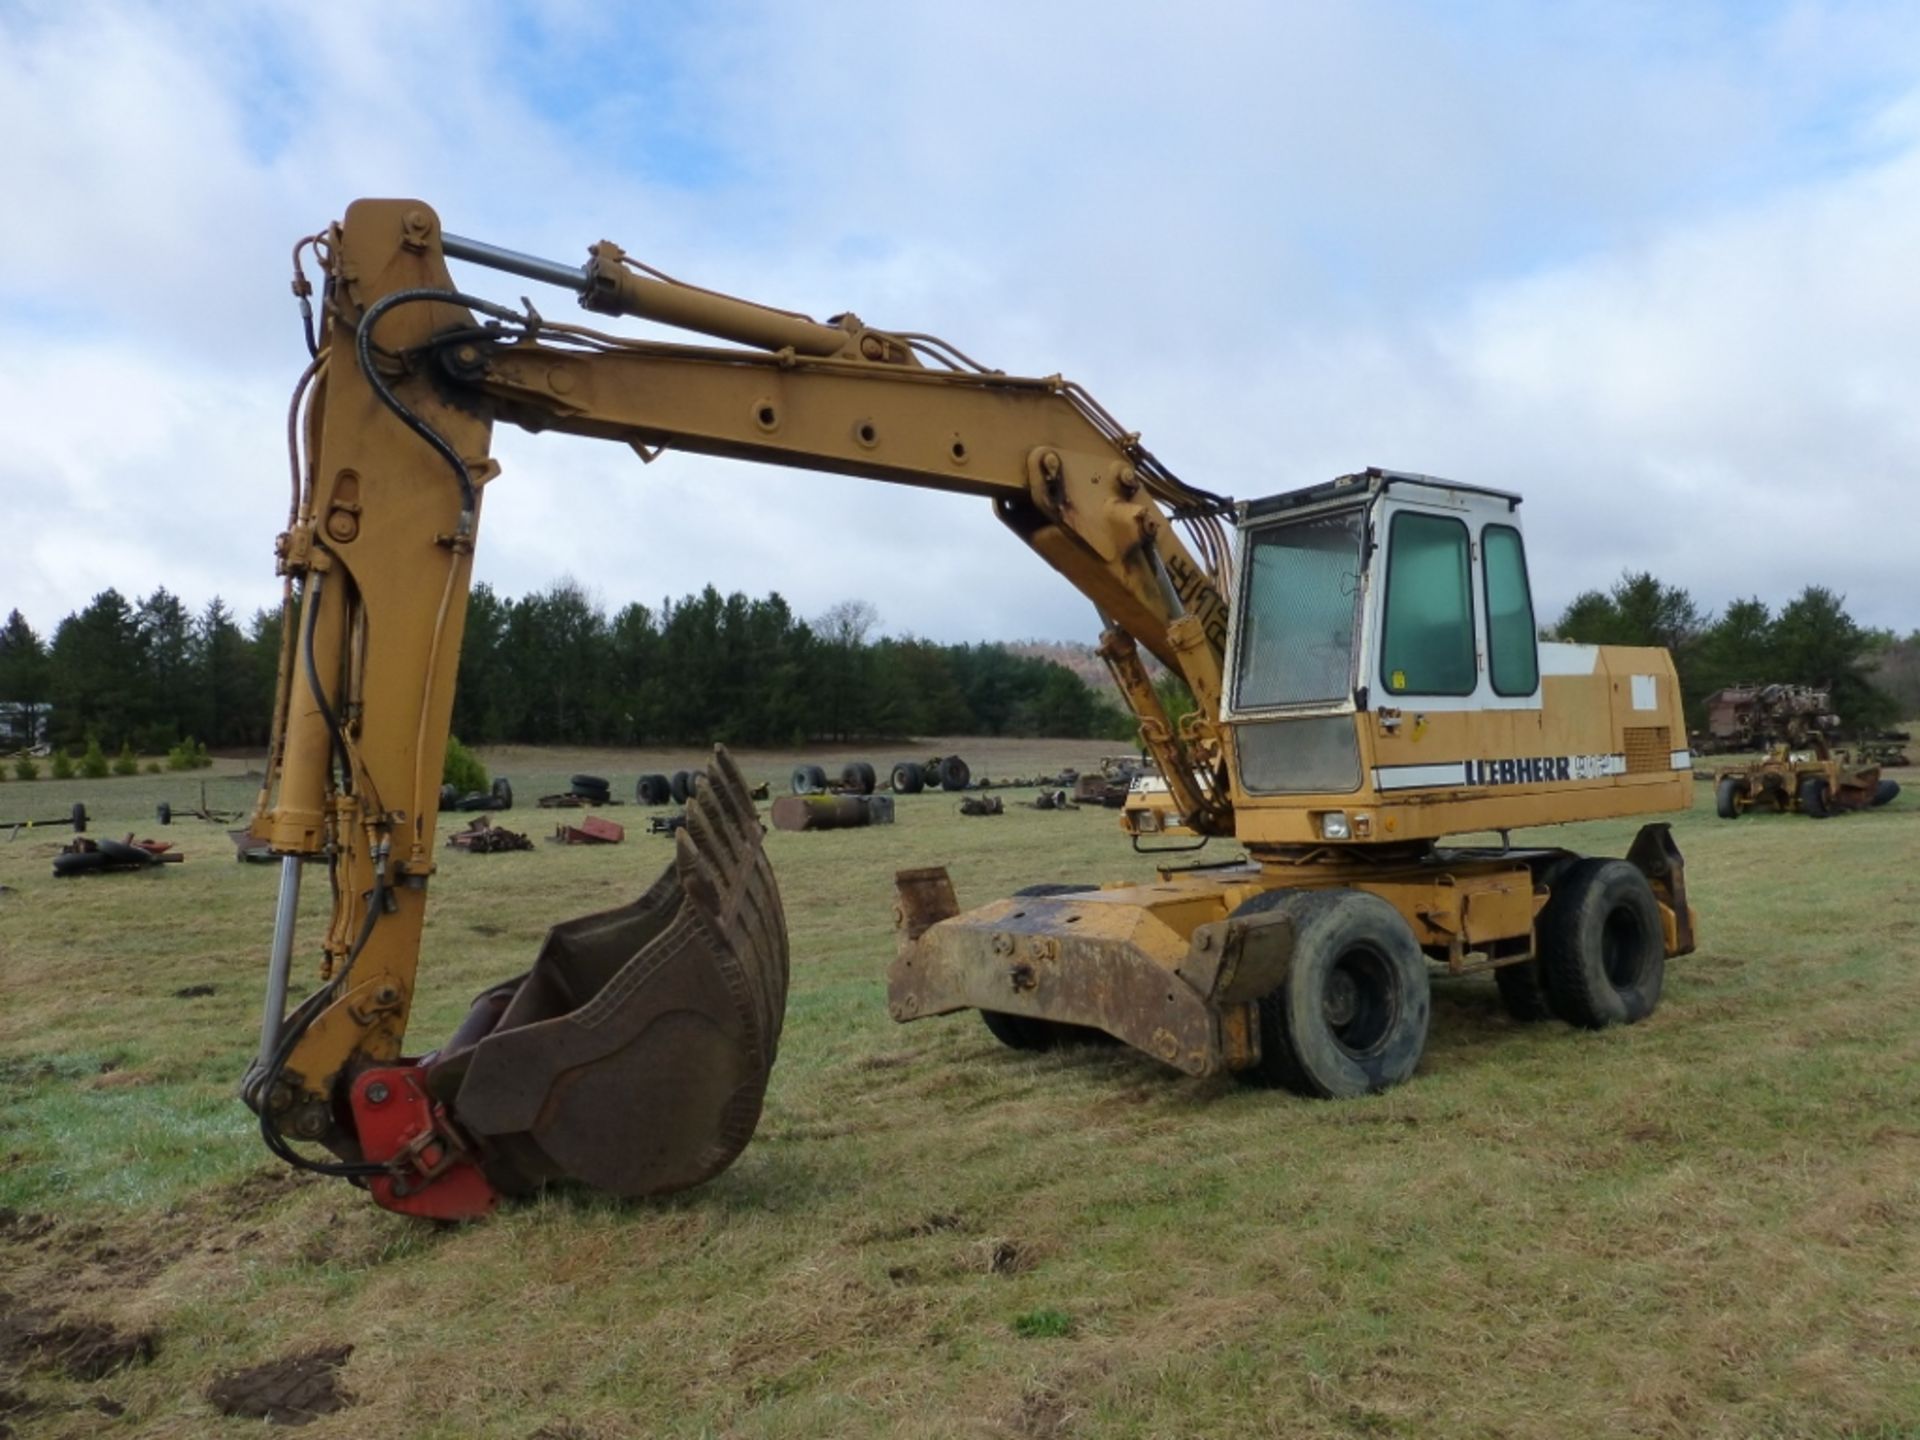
(1513, 656)
(1426, 645)
(1298, 618)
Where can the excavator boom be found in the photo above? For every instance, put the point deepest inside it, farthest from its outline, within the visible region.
(633, 1056)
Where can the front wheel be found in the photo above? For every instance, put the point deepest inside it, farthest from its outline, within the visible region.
(1816, 797)
(1602, 945)
(1727, 796)
(1351, 1017)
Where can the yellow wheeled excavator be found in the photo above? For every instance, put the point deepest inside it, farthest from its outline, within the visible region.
(1362, 654)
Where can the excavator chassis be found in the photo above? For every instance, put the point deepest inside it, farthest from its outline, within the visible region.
(1176, 969)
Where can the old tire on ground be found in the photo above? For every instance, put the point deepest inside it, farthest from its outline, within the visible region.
(1523, 991)
(1602, 946)
(1815, 797)
(1351, 1017)
(502, 793)
(680, 786)
(857, 778)
(1885, 792)
(653, 789)
(1028, 1032)
(908, 778)
(449, 796)
(808, 780)
(1726, 797)
(954, 774)
(590, 782)
(79, 864)
(77, 817)
(163, 812)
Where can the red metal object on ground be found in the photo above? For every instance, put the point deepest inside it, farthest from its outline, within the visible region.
(590, 831)
(400, 1125)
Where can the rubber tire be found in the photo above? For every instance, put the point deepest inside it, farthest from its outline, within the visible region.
(163, 812)
(77, 818)
(653, 789)
(1298, 1047)
(808, 780)
(1815, 795)
(1523, 991)
(1725, 797)
(1885, 793)
(954, 774)
(930, 769)
(696, 782)
(856, 777)
(680, 786)
(79, 864)
(590, 782)
(1591, 898)
(909, 778)
(449, 797)
(502, 792)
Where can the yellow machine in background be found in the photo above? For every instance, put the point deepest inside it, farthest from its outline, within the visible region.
(1362, 656)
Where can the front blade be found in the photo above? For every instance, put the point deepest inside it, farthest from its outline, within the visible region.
(634, 1056)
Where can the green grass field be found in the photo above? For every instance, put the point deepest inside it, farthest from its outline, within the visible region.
(1706, 1225)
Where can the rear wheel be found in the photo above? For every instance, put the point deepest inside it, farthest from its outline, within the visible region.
(1816, 796)
(954, 774)
(1727, 796)
(1351, 1017)
(857, 778)
(1523, 991)
(1885, 792)
(1601, 945)
(808, 780)
(908, 778)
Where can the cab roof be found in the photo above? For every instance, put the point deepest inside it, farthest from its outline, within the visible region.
(1362, 485)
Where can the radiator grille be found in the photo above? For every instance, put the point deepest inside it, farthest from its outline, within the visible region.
(1649, 749)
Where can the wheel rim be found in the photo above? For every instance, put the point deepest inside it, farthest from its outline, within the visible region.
(1359, 1000)
(1623, 948)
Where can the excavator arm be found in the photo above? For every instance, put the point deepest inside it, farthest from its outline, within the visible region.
(635, 1053)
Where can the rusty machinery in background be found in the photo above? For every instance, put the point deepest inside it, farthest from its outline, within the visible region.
(1362, 656)
(1803, 768)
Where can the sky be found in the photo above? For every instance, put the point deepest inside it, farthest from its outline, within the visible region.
(1652, 266)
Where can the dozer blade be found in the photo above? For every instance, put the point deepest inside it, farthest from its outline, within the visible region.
(634, 1055)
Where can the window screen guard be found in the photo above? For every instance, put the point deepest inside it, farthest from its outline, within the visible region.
(1300, 612)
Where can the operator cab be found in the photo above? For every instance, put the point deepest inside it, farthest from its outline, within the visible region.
(1372, 592)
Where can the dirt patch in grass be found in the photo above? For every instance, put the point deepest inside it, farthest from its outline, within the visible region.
(289, 1391)
(83, 1348)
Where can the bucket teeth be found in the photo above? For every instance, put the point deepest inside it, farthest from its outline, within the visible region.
(634, 1055)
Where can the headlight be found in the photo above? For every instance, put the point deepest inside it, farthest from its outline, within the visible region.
(1333, 825)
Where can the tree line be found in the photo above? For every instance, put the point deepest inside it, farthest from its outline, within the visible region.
(548, 668)
(553, 667)
(1874, 675)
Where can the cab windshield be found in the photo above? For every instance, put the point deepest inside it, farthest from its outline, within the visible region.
(1299, 612)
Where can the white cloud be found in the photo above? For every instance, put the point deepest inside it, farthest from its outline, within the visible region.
(1649, 266)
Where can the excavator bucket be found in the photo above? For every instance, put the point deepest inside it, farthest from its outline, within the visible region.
(634, 1056)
